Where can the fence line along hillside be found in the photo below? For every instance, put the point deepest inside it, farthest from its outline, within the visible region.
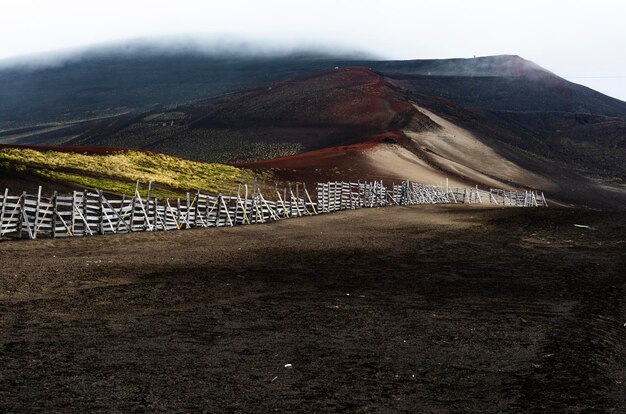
(90, 212)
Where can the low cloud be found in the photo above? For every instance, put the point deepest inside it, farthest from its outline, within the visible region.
(224, 46)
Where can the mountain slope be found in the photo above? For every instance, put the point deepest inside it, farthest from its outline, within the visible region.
(104, 84)
(527, 94)
(471, 145)
(99, 85)
(327, 108)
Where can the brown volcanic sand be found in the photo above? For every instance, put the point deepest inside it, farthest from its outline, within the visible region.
(404, 309)
(457, 151)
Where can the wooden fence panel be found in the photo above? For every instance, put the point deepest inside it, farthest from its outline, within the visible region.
(10, 214)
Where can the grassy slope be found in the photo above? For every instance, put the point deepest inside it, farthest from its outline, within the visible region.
(118, 172)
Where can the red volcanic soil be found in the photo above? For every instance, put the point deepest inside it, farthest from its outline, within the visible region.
(341, 106)
(330, 163)
(371, 100)
(73, 149)
(354, 110)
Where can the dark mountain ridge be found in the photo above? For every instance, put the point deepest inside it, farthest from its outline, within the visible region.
(102, 85)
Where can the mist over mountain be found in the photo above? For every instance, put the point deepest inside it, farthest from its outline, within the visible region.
(116, 78)
(210, 46)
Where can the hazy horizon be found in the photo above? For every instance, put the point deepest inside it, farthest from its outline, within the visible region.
(578, 40)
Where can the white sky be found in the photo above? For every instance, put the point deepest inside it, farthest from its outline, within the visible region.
(584, 41)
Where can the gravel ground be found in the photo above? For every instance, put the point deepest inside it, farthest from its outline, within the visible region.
(421, 309)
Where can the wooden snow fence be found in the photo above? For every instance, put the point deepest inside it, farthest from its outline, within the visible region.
(90, 212)
(334, 196)
(527, 198)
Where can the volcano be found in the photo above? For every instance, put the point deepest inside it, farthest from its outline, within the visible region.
(496, 121)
